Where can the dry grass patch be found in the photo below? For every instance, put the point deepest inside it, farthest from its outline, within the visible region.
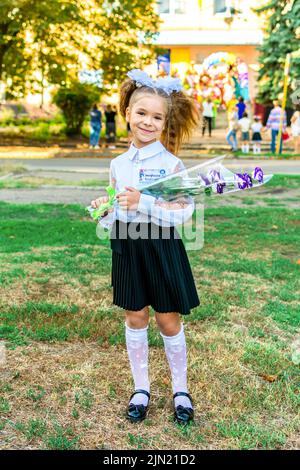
(84, 387)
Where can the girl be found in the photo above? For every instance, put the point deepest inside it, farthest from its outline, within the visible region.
(245, 124)
(295, 128)
(256, 134)
(208, 113)
(149, 262)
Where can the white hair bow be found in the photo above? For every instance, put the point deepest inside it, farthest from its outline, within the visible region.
(167, 84)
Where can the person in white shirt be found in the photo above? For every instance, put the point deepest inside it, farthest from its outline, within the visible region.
(244, 125)
(145, 270)
(256, 134)
(295, 129)
(208, 113)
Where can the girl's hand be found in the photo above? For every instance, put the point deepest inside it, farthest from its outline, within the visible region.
(129, 200)
(97, 202)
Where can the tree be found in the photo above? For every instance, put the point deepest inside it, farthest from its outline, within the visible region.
(30, 32)
(124, 31)
(282, 36)
(75, 101)
(48, 41)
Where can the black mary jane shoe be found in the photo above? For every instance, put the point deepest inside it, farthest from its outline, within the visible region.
(136, 413)
(182, 414)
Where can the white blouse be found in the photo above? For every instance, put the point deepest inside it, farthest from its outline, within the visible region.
(138, 168)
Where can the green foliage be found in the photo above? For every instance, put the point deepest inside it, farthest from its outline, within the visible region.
(31, 40)
(75, 102)
(44, 42)
(281, 38)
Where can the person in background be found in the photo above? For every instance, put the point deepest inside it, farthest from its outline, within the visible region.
(295, 128)
(208, 113)
(241, 107)
(273, 123)
(244, 125)
(256, 134)
(233, 127)
(110, 116)
(95, 126)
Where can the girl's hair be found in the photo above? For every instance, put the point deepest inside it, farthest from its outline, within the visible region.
(182, 114)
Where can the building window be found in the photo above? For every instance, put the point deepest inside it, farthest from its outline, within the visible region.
(219, 6)
(163, 6)
(177, 7)
(180, 7)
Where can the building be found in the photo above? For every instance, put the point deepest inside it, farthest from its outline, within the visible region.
(192, 30)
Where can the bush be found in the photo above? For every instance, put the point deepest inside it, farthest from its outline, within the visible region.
(75, 101)
(6, 115)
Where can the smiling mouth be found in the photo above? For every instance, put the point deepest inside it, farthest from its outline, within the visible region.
(146, 130)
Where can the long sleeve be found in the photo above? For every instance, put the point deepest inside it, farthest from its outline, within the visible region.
(275, 118)
(109, 217)
(270, 120)
(112, 176)
(167, 213)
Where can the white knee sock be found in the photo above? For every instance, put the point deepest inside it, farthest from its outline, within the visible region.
(137, 348)
(175, 348)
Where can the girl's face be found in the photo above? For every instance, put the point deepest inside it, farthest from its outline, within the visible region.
(146, 117)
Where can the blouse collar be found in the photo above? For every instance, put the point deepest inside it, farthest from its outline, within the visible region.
(145, 152)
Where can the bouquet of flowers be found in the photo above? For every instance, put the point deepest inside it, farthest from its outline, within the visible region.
(206, 179)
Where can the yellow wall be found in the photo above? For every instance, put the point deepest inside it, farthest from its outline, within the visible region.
(180, 54)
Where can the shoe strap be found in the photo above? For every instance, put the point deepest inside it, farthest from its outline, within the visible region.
(140, 391)
(183, 394)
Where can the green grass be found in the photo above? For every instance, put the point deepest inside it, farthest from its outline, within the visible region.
(38, 181)
(282, 156)
(61, 439)
(248, 436)
(285, 181)
(8, 168)
(66, 343)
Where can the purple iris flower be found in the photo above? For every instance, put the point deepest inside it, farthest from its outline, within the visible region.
(240, 181)
(214, 175)
(248, 180)
(258, 174)
(220, 187)
(205, 179)
(243, 181)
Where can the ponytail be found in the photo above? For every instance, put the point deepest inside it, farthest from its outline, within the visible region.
(182, 119)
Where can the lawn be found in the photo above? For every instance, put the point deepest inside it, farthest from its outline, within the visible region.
(65, 378)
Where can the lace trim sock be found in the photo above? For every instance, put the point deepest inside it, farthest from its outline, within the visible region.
(137, 348)
(175, 348)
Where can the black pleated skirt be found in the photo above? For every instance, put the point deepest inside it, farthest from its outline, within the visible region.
(151, 268)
